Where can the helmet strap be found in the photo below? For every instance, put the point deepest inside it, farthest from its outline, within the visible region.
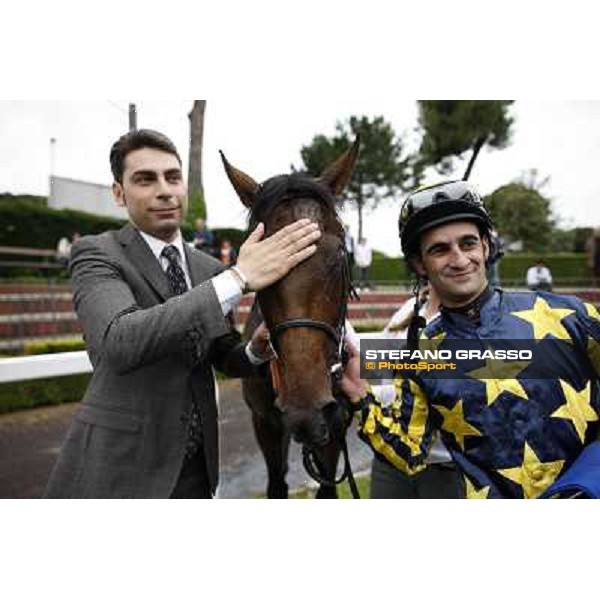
(418, 321)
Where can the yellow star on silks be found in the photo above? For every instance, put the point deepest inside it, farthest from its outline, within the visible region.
(533, 475)
(546, 320)
(455, 423)
(499, 376)
(577, 409)
(473, 494)
(432, 343)
(593, 345)
(440, 336)
(592, 311)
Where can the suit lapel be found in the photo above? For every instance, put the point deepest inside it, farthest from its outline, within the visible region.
(200, 268)
(141, 256)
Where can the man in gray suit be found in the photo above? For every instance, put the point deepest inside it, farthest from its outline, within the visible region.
(156, 317)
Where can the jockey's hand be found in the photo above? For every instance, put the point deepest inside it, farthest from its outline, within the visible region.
(264, 262)
(260, 345)
(352, 385)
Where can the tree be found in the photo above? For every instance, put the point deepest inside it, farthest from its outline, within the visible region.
(452, 127)
(197, 206)
(380, 171)
(522, 213)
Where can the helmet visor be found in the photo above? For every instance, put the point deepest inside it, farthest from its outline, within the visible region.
(454, 190)
(439, 204)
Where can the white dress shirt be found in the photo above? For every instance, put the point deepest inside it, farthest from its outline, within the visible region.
(226, 285)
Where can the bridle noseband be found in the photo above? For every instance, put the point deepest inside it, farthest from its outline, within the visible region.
(337, 335)
(296, 186)
(334, 333)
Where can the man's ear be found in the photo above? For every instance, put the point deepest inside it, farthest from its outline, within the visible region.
(118, 194)
(418, 266)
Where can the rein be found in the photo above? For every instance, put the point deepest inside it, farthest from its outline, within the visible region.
(288, 187)
(337, 334)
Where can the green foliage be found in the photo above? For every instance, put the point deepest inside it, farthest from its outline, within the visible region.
(567, 269)
(20, 200)
(389, 269)
(23, 224)
(580, 237)
(196, 209)
(21, 395)
(451, 127)
(53, 346)
(521, 213)
(235, 236)
(380, 172)
(562, 240)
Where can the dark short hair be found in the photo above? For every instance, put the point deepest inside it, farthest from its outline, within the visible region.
(135, 140)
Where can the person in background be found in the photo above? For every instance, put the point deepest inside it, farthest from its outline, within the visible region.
(63, 251)
(227, 253)
(363, 256)
(440, 480)
(539, 277)
(204, 238)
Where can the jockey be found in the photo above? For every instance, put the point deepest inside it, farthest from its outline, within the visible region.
(510, 433)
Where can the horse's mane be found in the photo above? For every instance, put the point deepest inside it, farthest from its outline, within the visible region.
(285, 187)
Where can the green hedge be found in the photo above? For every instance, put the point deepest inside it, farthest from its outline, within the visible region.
(38, 227)
(53, 347)
(564, 266)
(567, 268)
(26, 221)
(19, 395)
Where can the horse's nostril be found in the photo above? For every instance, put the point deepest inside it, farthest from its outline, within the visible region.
(312, 430)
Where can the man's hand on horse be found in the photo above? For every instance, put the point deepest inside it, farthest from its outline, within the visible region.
(260, 345)
(264, 262)
(352, 385)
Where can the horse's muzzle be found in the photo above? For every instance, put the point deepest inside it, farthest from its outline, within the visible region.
(312, 428)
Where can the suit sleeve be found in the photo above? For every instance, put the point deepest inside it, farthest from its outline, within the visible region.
(118, 331)
(401, 433)
(228, 354)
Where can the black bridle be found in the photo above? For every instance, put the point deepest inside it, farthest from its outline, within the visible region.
(336, 334)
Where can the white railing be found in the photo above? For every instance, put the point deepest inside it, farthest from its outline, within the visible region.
(22, 368)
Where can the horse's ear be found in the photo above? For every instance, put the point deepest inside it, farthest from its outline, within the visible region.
(337, 175)
(243, 184)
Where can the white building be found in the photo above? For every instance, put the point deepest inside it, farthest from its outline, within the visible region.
(88, 197)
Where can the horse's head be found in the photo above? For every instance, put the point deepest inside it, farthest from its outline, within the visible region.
(305, 310)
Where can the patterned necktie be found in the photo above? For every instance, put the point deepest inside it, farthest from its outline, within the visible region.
(175, 274)
(178, 285)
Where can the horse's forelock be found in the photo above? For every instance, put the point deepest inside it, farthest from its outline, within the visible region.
(285, 187)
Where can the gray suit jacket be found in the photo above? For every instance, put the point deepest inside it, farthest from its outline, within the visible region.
(152, 354)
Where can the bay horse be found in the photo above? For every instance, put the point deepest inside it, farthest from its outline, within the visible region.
(305, 313)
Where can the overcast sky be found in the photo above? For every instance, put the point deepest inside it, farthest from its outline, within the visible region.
(561, 139)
